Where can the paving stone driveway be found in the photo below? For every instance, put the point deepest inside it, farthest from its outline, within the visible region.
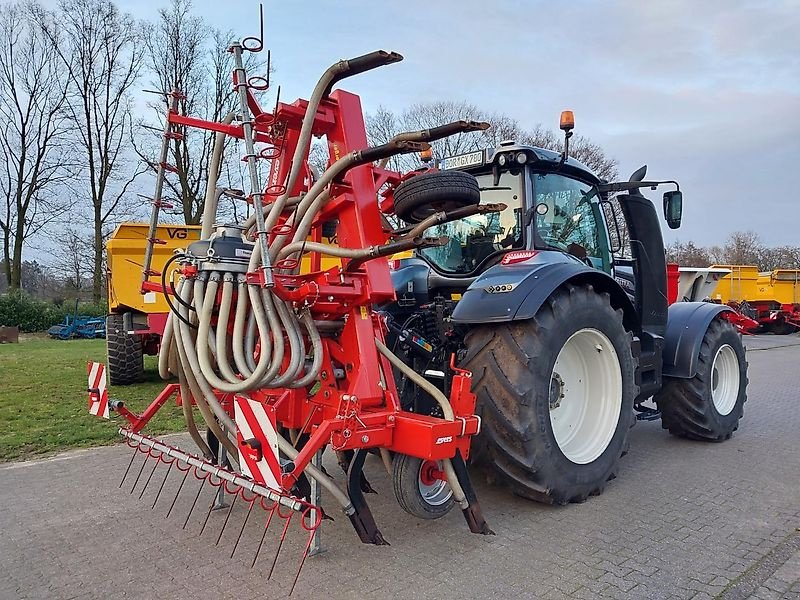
(683, 520)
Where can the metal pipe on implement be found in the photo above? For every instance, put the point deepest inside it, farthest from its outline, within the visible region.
(250, 156)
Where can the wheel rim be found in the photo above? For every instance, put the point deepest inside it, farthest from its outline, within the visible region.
(725, 379)
(585, 396)
(433, 490)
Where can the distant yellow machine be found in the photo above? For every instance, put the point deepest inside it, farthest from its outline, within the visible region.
(136, 320)
(125, 254)
(746, 283)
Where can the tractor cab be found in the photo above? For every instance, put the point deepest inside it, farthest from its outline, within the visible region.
(550, 205)
(548, 211)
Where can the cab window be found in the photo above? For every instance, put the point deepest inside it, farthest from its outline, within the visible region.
(474, 239)
(567, 218)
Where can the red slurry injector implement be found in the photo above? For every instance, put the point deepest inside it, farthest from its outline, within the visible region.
(282, 362)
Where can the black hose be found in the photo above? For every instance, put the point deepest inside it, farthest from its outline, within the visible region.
(172, 307)
(172, 285)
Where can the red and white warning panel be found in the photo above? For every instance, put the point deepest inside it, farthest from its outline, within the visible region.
(258, 441)
(98, 394)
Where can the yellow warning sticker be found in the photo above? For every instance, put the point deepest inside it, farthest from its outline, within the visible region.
(364, 312)
(455, 296)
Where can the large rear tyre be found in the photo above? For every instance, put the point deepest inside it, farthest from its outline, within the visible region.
(125, 353)
(556, 396)
(709, 405)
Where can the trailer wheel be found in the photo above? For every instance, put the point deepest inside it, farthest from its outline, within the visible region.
(709, 405)
(418, 487)
(556, 394)
(125, 353)
(782, 328)
(423, 195)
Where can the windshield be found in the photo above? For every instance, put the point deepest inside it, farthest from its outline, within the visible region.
(474, 239)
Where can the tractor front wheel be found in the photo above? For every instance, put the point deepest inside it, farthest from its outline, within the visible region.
(125, 353)
(555, 394)
(709, 405)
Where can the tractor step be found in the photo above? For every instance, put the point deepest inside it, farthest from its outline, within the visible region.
(645, 413)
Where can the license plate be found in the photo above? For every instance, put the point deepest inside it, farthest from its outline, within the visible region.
(462, 161)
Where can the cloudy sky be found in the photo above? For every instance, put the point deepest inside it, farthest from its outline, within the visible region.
(705, 92)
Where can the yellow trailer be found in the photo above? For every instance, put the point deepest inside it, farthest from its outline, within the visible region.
(740, 284)
(136, 320)
(125, 255)
(780, 285)
(746, 283)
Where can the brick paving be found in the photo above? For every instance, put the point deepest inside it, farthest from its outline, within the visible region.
(683, 520)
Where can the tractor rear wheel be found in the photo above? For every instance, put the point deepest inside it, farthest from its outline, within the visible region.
(709, 405)
(423, 195)
(555, 394)
(125, 353)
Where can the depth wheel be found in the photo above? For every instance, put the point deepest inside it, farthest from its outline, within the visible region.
(556, 396)
(420, 488)
(709, 405)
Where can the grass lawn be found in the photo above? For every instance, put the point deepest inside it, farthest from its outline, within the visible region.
(44, 403)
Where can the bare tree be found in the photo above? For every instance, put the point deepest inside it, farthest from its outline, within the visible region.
(77, 251)
(688, 254)
(100, 49)
(383, 124)
(184, 53)
(741, 248)
(35, 154)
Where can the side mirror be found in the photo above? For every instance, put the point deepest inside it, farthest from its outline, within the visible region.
(673, 208)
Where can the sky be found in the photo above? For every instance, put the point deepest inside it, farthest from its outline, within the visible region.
(704, 92)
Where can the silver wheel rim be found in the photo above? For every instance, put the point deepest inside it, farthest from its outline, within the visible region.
(585, 396)
(725, 379)
(436, 493)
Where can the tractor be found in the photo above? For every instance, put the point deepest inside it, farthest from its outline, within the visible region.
(568, 341)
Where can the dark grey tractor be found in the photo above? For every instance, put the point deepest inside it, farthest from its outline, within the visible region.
(567, 341)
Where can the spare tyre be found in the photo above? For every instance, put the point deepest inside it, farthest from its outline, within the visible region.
(429, 193)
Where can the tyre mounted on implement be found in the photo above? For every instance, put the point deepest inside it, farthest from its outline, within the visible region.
(423, 195)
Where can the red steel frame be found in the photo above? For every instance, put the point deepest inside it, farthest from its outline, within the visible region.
(361, 410)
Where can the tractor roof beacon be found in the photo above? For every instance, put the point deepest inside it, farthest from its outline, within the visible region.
(566, 334)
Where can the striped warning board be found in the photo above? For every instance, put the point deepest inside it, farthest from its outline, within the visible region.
(258, 441)
(98, 394)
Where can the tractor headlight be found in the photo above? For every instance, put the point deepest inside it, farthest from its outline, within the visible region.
(502, 160)
(522, 158)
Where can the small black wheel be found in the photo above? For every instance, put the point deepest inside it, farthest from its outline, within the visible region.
(429, 193)
(420, 488)
(709, 405)
(782, 328)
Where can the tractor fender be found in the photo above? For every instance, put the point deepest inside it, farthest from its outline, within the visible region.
(687, 323)
(516, 292)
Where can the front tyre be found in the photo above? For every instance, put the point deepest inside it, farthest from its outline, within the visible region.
(556, 396)
(709, 405)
